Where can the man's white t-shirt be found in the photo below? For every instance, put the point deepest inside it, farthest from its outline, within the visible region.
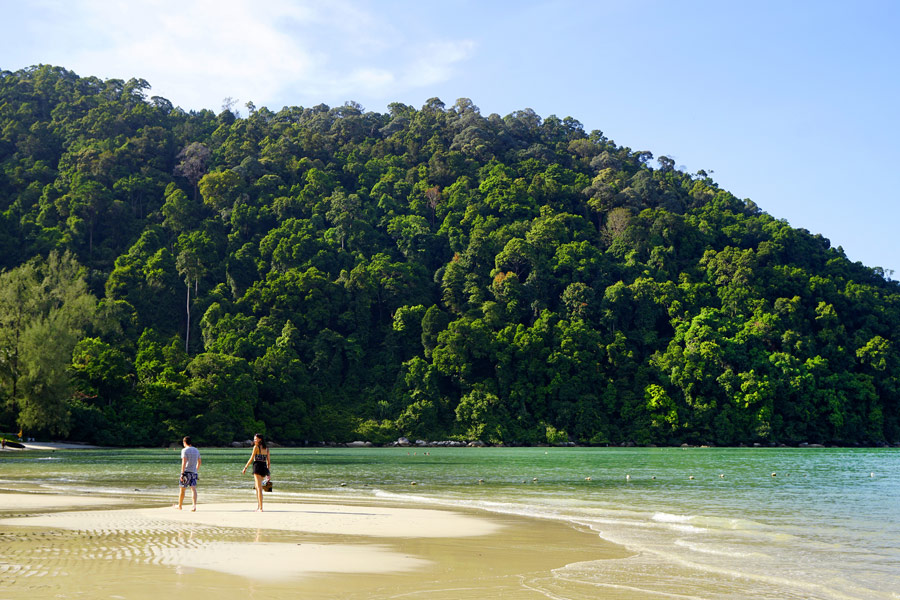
(193, 457)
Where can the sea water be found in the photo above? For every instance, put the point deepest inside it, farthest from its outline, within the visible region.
(713, 523)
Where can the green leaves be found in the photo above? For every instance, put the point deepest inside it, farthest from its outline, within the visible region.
(431, 271)
(45, 308)
(224, 391)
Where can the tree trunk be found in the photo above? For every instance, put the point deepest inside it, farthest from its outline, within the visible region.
(187, 332)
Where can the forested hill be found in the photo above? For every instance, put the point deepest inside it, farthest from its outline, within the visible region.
(332, 274)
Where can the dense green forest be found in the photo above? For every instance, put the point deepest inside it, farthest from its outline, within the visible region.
(332, 274)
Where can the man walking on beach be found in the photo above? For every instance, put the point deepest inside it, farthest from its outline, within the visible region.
(190, 470)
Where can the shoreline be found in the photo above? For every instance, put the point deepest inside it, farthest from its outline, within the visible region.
(53, 446)
(731, 536)
(315, 550)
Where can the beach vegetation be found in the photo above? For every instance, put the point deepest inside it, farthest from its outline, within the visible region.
(332, 274)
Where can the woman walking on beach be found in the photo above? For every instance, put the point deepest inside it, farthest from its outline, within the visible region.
(261, 464)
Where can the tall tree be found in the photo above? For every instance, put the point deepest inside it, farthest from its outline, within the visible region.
(193, 163)
(45, 308)
(195, 256)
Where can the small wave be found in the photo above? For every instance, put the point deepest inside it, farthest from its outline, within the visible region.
(687, 528)
(729, 523)
(706, 549)
(663, 540)
(662, 517)
(677, 522)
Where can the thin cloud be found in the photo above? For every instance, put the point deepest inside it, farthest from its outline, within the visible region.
(437, 62)
(283, 52)
(198, 52)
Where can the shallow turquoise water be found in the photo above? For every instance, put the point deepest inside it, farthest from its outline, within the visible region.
(827, 525)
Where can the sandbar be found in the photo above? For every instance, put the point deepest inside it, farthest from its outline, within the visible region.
(23, 502)
(334, 519)
(310, 550)
(285, 561)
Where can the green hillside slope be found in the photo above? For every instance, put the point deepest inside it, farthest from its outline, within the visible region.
(322, 274)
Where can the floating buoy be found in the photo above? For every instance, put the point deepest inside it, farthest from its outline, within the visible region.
(722, 475)
(588, 478)
(691, 477)
(774, 474)
(627, 477)
(481, 481)
(412, 483)
(654, 477)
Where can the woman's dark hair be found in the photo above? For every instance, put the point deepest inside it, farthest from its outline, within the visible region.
(262, 441)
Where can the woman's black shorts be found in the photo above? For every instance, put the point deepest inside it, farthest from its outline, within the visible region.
(260, 468)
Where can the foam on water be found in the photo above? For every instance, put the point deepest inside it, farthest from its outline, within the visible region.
(735, 557)
(667, 518)
(718, 550)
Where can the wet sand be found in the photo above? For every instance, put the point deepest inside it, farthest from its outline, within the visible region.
(292, 550)
(18, 502)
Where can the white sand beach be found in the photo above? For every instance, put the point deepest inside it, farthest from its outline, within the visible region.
(22, 502)
(333, 519)
(284, 561)
(317, 550)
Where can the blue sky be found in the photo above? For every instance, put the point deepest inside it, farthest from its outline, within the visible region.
(795, 105)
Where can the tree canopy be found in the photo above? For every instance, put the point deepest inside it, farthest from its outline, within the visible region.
(329, 273)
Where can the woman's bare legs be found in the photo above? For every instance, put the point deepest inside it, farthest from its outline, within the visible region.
(259, 494)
